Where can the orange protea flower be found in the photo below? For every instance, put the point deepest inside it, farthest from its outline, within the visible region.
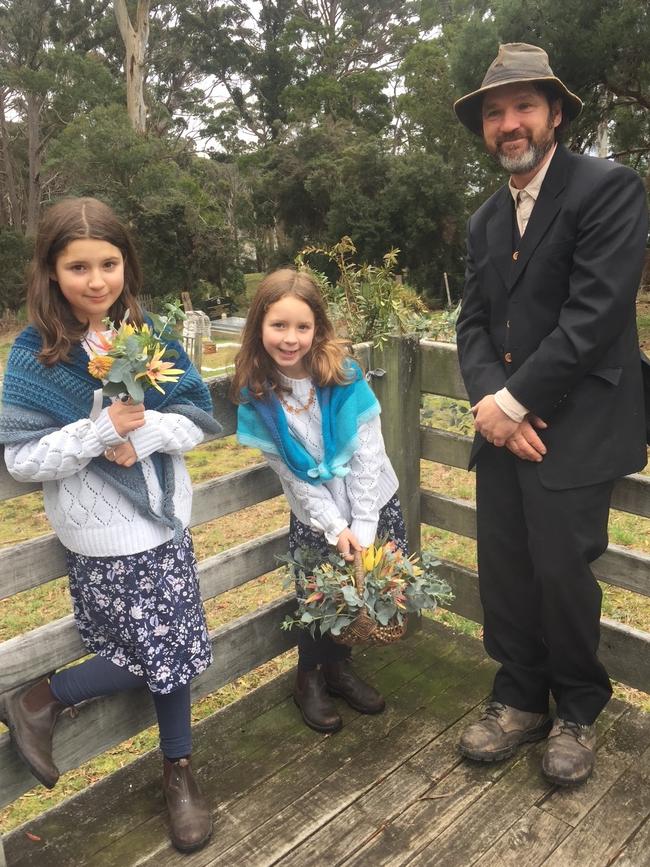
(99, 366)
(158, 370)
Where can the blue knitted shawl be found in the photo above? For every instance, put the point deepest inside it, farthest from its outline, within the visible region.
(263, 424)
(37, 400)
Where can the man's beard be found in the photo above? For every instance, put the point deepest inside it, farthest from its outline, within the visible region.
(524, 163)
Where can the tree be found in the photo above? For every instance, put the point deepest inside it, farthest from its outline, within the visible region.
(135, 38)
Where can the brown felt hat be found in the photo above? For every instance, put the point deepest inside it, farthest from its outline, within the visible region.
(516, 63)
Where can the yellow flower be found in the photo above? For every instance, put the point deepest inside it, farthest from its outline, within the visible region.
(99, 366)
(368, 558)
(159, 370)
(126, 329)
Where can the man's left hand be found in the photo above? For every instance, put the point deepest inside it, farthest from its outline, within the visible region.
(492, 422)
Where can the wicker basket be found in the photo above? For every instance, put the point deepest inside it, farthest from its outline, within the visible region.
(363, 629)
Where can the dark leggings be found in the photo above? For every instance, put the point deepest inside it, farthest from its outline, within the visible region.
(98, 676)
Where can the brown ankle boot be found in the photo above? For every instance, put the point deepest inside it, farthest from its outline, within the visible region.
(317, 708)
(30, 713)
(190, 820)
(342, 680)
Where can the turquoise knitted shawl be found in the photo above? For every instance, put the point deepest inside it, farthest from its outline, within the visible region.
(263, 424)
(37, 400)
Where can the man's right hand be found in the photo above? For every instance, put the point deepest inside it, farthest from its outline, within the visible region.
(525, 443)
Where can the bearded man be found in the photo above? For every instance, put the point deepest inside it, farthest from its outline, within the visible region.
(549, 354)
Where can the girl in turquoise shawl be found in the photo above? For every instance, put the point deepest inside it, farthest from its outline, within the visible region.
(306, 404)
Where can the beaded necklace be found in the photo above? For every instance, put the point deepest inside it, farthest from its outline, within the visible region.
(302, 407)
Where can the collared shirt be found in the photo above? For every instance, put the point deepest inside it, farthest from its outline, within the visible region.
(525, 198)
(524, 203)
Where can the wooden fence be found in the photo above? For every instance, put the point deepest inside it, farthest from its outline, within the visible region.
(404, 369)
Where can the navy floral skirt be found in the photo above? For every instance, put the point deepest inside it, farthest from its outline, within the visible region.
(391, 525)
(144, 612)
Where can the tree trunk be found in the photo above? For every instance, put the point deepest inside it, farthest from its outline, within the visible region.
(12, 202)
(135, 42)
(34, 104)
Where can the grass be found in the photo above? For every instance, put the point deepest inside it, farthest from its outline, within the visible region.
(23, 518)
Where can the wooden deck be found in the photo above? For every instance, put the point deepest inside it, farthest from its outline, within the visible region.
(386, 790)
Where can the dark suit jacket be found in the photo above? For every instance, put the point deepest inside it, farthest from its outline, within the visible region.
(558, 325)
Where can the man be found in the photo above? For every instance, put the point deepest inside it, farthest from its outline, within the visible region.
(549, 353)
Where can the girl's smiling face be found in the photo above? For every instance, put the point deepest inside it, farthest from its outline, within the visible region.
(90, 274)
(287, 335)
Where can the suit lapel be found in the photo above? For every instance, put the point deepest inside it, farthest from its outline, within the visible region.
(499, 235)
(546, 207)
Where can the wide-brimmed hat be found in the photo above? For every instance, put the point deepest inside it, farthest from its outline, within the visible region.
(516, 63)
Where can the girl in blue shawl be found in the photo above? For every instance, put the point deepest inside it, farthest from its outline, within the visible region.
(308, 407)
(117, 494)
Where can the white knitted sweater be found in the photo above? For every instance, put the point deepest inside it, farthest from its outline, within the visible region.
(87, 513)
(353, 501)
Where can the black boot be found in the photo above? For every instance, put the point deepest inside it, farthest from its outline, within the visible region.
(190, 819)
(317, 708)
(30, 713)
(342, 680)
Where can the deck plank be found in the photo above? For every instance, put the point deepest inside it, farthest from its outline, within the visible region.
(246, 726)
(387, 790)
(604, 832)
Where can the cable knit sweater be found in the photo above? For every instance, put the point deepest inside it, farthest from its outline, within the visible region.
(88, 514)
(353, 501)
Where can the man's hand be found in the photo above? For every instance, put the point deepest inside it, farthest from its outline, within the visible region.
(347, 544)
(525, 443)
(492, 422)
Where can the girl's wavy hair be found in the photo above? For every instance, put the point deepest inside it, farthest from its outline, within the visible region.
(254, 368)
(71, 220)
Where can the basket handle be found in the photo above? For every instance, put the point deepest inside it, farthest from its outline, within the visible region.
(359, 578)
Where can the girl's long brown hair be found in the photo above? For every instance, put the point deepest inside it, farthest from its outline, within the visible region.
(324, 361)
(50, 313)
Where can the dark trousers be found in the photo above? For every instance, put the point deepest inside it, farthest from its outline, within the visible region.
(540, 599)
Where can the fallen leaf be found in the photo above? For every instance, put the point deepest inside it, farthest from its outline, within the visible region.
(33, 837)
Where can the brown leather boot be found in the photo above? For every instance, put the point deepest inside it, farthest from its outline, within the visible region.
(569, 756)
(342, 680)
(190, 820)
(317, 708)
(500, 731)
(30, 713)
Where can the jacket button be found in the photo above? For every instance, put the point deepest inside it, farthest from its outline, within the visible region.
(515, 255)
(508, 357)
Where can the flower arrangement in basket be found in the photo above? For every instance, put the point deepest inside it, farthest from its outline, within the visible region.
(135, 359)
(366, 602)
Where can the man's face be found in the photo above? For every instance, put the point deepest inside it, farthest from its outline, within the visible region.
(519, 126)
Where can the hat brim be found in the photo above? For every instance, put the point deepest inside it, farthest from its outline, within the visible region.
(468, 107)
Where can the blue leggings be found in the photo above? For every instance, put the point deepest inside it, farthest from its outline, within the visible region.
(98, 676)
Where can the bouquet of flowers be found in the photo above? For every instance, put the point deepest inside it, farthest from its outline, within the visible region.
(137, 358)
(366, 602)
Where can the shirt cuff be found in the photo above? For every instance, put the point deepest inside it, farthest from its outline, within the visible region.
(365, 531)
(105, 430)
(146, 440)
(508, 404)
(334, 531)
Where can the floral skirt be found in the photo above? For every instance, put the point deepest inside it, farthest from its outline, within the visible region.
(391, 526)
(144, 611)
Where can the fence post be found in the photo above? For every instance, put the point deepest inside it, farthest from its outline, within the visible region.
(399, 394)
